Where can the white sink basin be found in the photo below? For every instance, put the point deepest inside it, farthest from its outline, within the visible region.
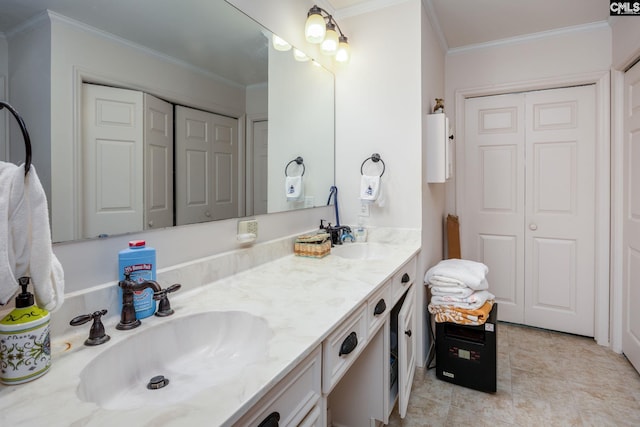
(363, 251)
(194, 352)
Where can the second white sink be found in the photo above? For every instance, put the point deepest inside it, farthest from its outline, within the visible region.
(193, 353)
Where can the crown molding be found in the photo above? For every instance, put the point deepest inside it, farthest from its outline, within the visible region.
(530, 37)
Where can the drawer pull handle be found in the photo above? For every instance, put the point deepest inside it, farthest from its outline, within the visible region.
(349, 344)
(408, 333)
(380, 307)
(271, 420)
(405, 278)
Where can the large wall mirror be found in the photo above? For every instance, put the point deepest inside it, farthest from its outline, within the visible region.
(151, 114)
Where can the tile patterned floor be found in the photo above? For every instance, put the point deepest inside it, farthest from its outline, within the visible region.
(544, 379)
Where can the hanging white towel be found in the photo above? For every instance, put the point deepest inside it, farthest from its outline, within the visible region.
(369, 188)
(25, 238)
(293, 187)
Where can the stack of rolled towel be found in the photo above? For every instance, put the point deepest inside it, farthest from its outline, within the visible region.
(459, 292)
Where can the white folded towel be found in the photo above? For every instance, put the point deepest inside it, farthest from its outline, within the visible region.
(25, 238)
(458, 291)
(293, 187)
(459, 272)
(444, 282)
(369, 188)
(472, 302)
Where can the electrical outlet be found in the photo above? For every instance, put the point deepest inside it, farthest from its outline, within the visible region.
(364, 209)
(249, 226)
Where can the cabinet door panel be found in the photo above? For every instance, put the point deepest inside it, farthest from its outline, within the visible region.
(407, 350)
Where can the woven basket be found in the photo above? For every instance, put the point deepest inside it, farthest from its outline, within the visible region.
(314, 246)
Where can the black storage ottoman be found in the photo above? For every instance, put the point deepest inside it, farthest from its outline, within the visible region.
(467, 355)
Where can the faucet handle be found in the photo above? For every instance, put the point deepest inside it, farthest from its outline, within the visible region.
(164, 306)
(97, 334)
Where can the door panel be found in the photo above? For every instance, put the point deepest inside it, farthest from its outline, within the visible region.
(225, 153)
(158, 146)
(193, 166)
(206, 166)
(112, 137)
(260, 166)
(492, 227)
(631, 221)
(560, 209)
(406, 350)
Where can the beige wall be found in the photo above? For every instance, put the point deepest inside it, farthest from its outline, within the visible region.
(527, 61)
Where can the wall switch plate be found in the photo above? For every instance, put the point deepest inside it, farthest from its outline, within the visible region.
(248, 226)
(364, 209)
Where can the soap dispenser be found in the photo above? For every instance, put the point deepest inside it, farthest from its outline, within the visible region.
(25, 346)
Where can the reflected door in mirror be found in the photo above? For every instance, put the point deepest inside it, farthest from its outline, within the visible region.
(206, 166)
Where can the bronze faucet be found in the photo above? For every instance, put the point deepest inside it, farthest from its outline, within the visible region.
(128, 319)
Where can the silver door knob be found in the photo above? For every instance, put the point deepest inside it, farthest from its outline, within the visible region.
(207, 214)
(533, 227)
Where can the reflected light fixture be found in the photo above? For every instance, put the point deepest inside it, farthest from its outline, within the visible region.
(279, 43)
(320, 28)
(300, 55)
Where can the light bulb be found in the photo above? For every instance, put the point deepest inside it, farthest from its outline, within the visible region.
(315, 27)
(280, 44)
(329, 45)
(343, 53)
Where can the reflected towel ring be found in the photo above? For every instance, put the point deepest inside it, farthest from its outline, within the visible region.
(25, 135)
(375, 158)
(298, 160)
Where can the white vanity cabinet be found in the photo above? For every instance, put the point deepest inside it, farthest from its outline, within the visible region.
(295, 401)
(366, 394)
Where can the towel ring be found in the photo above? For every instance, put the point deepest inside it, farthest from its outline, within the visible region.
(25, 135)
(298, 160)
(375, 158)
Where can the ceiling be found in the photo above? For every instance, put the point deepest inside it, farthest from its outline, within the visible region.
(196, 32)
(470, 22)
(174, 30)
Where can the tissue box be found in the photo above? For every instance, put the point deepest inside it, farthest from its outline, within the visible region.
(313, 245)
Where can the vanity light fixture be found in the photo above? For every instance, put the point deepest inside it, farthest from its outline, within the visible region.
(320, 28)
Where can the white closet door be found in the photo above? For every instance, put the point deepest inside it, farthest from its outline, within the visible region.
(529, 211)
(194, 173)
(158, 160)
(206, 166)
(112, 136)
(492, 224)
(631, 221)
(225, 158)
(560, 209)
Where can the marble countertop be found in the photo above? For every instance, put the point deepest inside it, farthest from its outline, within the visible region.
(301, 299)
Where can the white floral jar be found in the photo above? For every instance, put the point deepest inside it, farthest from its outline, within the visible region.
(25, 346)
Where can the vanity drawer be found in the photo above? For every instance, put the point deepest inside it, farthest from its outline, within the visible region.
(342, 348)
(378, 305)
(292, 399)
(403, 279)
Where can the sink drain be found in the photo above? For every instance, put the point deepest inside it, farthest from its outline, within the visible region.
(159, 381)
